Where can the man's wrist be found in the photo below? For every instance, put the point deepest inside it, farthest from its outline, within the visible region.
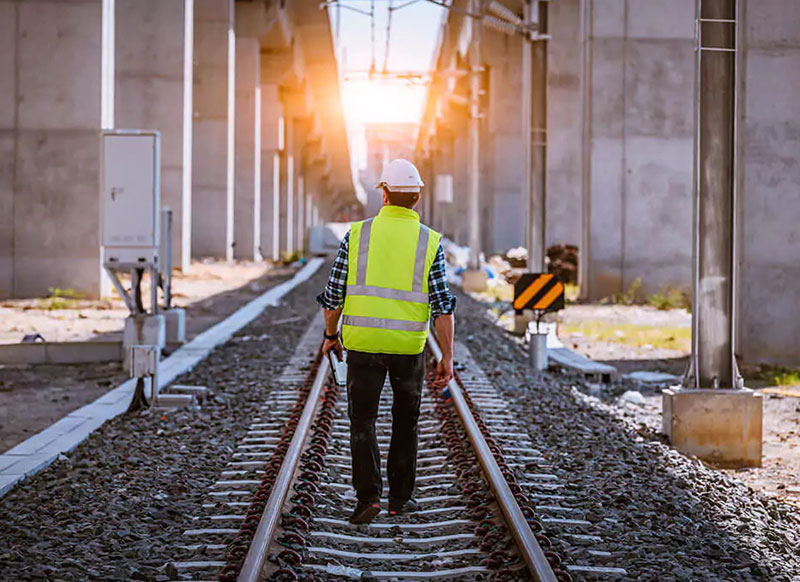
(331, 337)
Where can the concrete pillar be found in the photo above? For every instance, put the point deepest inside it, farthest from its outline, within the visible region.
(287, 179)
(295, 128)
(272, 137)
(769, 211)
(641, 144)
(300, 138)
(564, 124)
(214, 118)
(154, 68)
(247, 204)
(301, 225)
(56, 93)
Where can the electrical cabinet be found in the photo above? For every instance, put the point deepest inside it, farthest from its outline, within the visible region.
(130, 197)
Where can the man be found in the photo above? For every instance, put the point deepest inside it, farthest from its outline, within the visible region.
(387, 281)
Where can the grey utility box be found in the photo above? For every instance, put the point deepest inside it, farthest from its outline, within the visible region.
(131, 198)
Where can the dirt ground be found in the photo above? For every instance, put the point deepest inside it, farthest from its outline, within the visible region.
(588, 328)
(206, 289)
(33, 397)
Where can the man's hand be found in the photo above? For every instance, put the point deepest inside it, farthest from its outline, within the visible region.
(334, 345)
(444, 373)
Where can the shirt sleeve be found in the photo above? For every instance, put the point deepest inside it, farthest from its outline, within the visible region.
(442, 301)
(334, 293)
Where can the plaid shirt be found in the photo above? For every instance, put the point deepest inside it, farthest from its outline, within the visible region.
(442, 302)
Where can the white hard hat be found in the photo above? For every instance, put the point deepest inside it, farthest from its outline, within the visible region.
(400, 176)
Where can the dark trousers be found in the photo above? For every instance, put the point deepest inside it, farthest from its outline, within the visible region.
(366, 374)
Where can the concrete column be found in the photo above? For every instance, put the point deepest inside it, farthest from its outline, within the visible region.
(301, 128)
(55, 87)
(301, 225)
(287, 193)
(154, 67)
(271, 145)
(769, 212)
(247, 204)
(214, 118)
(564, 124)
(291, 165)
(641, 145)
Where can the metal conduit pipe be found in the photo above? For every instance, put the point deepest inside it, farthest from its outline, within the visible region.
(529, 548)
(257, 554)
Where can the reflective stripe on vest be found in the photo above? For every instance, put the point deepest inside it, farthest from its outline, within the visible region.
(379, 323)
(386, 293)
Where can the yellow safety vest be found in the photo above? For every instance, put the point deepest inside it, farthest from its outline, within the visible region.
(386, 307)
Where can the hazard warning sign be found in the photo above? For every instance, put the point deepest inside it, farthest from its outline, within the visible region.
(538, 291)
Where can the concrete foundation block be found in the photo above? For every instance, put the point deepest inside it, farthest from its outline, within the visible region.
(175, 322)
(175, 400)
(475, 281)
(201, 393)
(723, 427)
(143, 329)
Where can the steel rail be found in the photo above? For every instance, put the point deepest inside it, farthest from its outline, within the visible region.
(526, 540)
(257, 554)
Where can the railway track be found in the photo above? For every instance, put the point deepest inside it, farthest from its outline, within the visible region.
(279, 510)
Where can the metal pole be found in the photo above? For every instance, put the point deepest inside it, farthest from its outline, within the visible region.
(714, 195)
(536, 250)
(166, 258)
(473, 162)
(584, 258)
(527, 130)
(231, 133)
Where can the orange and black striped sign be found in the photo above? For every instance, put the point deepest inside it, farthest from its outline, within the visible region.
(538, 291)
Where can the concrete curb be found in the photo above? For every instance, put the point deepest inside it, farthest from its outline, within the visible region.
(39, 451)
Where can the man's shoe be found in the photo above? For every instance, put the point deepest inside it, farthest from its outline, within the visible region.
(397, 507)
(365, 512)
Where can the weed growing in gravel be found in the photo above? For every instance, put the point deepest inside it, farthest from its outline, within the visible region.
(60, 299)
(777, 376)
(669, 298)
(628, 297)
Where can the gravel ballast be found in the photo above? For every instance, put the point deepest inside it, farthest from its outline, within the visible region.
(116, 508)
(663, 516)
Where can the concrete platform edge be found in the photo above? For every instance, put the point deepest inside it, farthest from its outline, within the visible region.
(42, 449)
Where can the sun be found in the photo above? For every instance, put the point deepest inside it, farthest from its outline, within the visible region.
(382, 101)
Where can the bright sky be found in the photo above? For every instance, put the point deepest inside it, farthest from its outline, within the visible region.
(413, 36)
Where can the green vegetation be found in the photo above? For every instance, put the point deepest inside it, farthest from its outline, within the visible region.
(630, 296)
(778, 376)
(289, 258)
(669, 298)
(61, 299)
(670, 338)
(571, 292)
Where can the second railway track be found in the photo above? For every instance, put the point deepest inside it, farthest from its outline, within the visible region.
(279, 510)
